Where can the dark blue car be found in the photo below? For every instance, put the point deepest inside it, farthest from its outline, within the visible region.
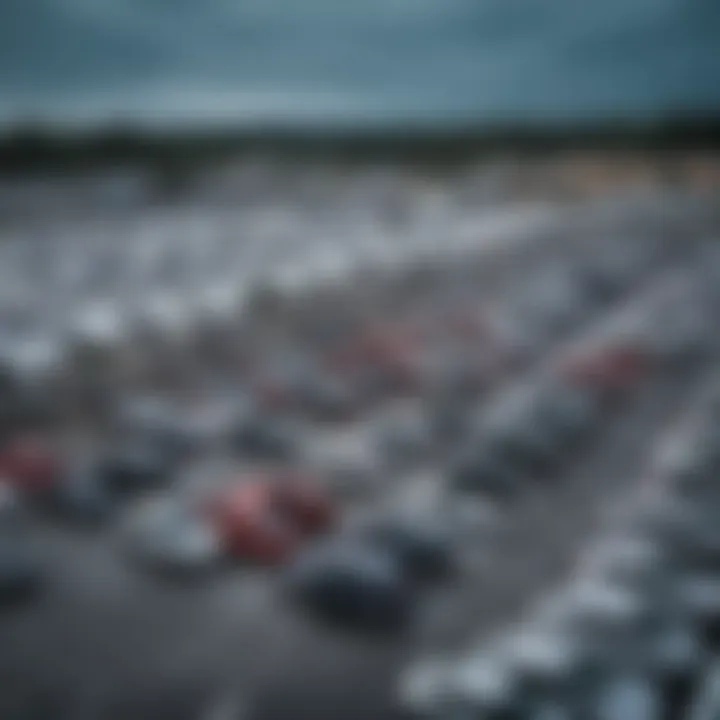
(352, 584)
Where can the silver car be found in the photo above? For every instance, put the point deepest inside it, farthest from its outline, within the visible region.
(165, 534)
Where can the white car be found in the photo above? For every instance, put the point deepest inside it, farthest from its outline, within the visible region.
(166, 534)
(547, 663)
(423, 686)
(484, 685)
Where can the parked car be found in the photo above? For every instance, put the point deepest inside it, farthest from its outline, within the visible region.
(249, 528)
(353, 584)
(266, 516)
(161, 422)
(166, 535)
(135, 466)
(523, 439)
(423, 551)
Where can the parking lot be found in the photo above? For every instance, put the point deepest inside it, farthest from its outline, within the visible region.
(108, 640)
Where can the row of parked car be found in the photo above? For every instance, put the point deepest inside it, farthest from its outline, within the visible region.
(458, 343)
(277, 514)
(533, 427)
(161, 269)
(635, 629)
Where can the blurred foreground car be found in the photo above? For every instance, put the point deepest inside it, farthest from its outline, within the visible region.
(352, 584)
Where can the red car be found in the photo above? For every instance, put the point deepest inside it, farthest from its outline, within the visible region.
(611, 369)
(303, 502)
(29, 464)
(267, 516)
(249, 528)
